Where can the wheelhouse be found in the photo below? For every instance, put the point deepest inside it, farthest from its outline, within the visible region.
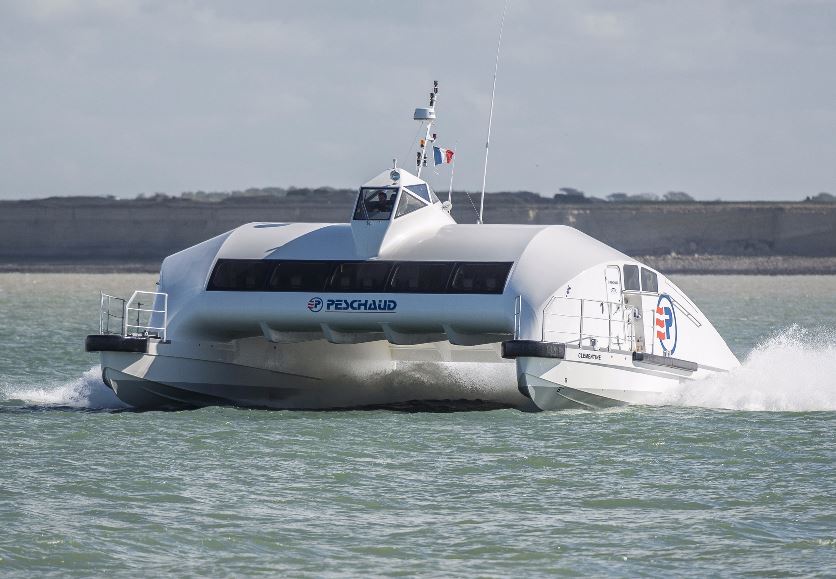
(382, 203)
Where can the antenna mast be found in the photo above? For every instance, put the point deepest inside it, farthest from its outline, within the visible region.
(490, 117)
(426, 114)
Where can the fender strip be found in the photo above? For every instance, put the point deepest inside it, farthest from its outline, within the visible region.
(113, 343)
(532, 349)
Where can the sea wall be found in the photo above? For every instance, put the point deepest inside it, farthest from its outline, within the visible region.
(90, 230)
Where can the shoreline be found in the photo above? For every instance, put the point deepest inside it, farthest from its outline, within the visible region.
(741, 265)
(667, 264)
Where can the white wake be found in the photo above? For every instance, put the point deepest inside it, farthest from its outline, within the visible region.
(792, 371)
(87, 391)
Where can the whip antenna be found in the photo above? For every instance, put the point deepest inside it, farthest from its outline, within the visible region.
(490, 117)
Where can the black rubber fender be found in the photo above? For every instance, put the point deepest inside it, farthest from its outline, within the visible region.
(112, 343)
(513, 349)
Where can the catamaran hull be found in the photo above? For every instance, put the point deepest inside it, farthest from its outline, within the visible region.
(163, 382)
(152, 381)
(592, 380)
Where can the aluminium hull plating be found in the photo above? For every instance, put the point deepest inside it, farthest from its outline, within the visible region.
(405, 377)
(591, 379)
(165, 381)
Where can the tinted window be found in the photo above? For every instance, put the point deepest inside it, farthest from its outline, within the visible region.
(360, 277)
(240, 274)
(421, 191)
(375, 204)
(420, 277)
(649, 281)
(487, 278)
(300, 276)
(367, 276)
(631, 278)
(408, 204)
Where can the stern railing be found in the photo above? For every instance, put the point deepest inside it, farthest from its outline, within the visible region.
(107, 318)
(602, 325)
(129, 316)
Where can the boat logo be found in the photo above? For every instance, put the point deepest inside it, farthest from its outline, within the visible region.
(317, 304)
(666, 323)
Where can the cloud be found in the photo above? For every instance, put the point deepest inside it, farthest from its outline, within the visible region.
(604, 25)
(120, 97)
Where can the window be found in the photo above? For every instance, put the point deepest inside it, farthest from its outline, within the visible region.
(422, 191)
(631, 278)
(300, 276)
(375, 203)
(368, 276)
(481, 278)
(421, 277)
(418, 277)
(240, 275)
(649, 281)
(408, 204)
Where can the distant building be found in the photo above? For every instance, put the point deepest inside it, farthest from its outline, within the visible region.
(821, 198)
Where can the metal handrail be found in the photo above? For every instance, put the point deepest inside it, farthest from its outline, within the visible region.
(623, 314)
(105, 314)
(161, 330)
(517, 317)
(126, 308)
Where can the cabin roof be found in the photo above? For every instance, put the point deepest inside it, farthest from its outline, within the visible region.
(455, 242)
(385, 179)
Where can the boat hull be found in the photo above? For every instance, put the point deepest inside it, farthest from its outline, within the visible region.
(164, 382)
(591, 379)
(320, 376)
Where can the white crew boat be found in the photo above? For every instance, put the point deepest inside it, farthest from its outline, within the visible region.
(404, 306)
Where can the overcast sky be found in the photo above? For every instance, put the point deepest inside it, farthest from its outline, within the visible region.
(730, 99)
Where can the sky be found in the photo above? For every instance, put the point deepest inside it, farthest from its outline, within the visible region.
(722, 99)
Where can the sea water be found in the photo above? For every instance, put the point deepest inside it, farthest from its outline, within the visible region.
(732, 476)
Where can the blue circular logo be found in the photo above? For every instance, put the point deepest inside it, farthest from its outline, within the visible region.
(395, 176)
(315, 304)
(665, 323)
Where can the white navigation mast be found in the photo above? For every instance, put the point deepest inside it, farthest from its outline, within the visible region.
(426, 114)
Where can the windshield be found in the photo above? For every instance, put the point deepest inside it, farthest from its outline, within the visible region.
(375, 203)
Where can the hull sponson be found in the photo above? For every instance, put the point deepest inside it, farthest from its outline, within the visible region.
(155, 381)
(610, 379)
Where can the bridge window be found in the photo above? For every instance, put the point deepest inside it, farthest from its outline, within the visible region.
(649, 281)
(481, 278)
(368, 276)
(418, 277)
(375, 203)
(408, 204)
(631, 278)
(300, 276)
(422, 191)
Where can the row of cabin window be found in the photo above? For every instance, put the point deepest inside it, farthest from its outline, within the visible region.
(645, 280)
(367, 276)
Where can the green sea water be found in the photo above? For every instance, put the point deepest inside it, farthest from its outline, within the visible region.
(733, 477)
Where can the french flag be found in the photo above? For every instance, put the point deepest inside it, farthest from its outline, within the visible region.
(442, 156)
